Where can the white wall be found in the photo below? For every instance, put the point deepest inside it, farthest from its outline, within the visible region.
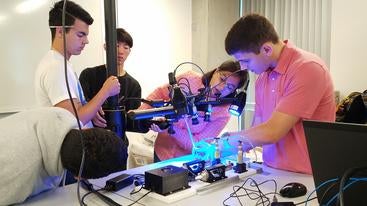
(156, 50)
(93, 54)
(25, 38)
(161, 30)
(348, 56)
(20, 50)
(162, 39)
(209, 29)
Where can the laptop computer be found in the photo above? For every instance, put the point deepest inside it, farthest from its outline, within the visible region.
(334, 148)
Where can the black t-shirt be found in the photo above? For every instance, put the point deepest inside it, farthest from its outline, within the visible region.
(92, 80)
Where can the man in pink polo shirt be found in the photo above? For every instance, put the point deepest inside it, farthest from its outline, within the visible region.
(292, 85)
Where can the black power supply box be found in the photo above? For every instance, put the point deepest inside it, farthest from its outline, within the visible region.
(166, 180)
(119, 182)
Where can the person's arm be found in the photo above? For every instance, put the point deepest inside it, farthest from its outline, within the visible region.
(86, 112)
(203, 130)
(271, 131)
(160, 93)
(91, 84)
(299, 101)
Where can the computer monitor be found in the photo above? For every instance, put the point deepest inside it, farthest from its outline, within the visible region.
(334, 148)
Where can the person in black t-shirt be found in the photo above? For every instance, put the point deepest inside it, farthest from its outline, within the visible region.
(93, 78)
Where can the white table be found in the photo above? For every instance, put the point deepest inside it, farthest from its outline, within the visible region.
(214, 196)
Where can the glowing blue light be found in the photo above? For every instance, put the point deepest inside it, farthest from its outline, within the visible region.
(234, 112)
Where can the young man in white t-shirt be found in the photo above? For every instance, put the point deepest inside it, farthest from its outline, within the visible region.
(50, 84)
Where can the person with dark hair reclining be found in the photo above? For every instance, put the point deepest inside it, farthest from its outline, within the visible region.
(36, 147)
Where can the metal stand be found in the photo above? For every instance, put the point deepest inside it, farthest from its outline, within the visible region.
(114, 120)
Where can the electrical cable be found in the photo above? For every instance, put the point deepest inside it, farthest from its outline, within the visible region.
(188, 84)
(341, 201)
(136, 201)
(197, 66)
(327, 191)
(344, 179)
(353, 180)
(72, 102)
(318, 187)
(138, 182)
(89, 186)
(253, 194)
(334, 181)
(136, 191)
(88, 193)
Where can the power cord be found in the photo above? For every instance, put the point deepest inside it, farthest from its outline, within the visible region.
(344, 179)
(328, 189)
(88, 186)
(352, 181)
(335, 182)
(253, 194)
(139, 181)
(136, 201)
(72, 103)
(318, 187)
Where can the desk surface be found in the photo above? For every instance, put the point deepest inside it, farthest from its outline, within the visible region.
(215, 196)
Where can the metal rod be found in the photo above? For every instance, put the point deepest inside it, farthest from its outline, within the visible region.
(114, 121)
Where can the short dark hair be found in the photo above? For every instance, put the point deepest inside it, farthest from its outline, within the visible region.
(72, 11)
(249, 33)
(124, 37)
(229, 66)
(105, 152)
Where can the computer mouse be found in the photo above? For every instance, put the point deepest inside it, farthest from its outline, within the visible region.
(293, 189)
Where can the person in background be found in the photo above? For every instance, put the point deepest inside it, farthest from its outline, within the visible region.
(50, 88)
(92, 79)
(223, 82)
(36, 146)
(292, 85)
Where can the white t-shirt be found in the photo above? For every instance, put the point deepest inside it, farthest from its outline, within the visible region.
(49, 82)
(30, 144)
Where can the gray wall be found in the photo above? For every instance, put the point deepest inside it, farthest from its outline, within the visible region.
(211, 20)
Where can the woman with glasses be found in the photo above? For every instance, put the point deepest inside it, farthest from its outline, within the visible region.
(221, 82)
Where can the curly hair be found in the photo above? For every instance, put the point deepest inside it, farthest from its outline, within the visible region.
(249, 33)
(105, 152)
(73, 11)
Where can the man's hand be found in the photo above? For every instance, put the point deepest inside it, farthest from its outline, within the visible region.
(155, 127)
(98, 120)
(203, 150)
(111, 86)
(229, 143)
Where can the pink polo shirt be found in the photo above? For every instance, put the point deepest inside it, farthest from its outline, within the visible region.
(169, 146)
(300, 85)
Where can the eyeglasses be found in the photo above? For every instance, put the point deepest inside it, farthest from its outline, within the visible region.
(223, 80)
